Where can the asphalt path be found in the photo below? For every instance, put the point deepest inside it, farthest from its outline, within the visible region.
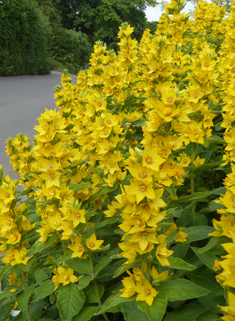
(22, 100)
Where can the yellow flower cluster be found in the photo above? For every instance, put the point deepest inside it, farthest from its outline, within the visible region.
(225, 227)
(115, 145)
(13, 223)
(137, 283)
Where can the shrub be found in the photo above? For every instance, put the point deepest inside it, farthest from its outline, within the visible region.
(124, 217)
(24, 33)
(70, 48)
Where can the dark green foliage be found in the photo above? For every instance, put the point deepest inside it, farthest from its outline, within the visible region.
(100, 19)
(24, 33)
(72, 49)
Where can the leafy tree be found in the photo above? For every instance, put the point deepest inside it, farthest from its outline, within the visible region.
(100, 19)
(23, 39)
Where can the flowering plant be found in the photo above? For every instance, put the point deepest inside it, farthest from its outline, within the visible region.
(123, 217)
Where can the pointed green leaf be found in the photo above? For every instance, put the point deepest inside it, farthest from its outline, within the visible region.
(86, 314)
(70, 301)
(113, 301)
(23, 298)
(132, 312)
(180, 264)
(216, 139)
(186, 312)
(157, 310)
(207, 258)
(124, 268)
(197, 233)
(41, 247)
(90, 293)
(105, 261)
(208, 316)
(6, 294)
(81, 266)
(171, 237)
(65, 257)
(196, 197)
(78, 186)
(181, 289)
(4, 270)
(106, 222)
(175, 210)
(84, 281)
(44, 290)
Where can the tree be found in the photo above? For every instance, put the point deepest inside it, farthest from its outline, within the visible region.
(100, 19)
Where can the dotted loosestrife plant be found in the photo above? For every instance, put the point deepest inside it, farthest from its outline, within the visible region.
(129, 183)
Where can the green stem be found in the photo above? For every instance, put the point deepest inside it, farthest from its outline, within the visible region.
(64, 247)
(96, 287)
(148, 271)
(25, 288)
(192, 178)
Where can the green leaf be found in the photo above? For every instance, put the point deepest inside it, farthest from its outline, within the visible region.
(124, 268)
(213, 206)
(113, 301)
(90, 293)
(44, 290)
(84, 281)
(41, 247)
(157, 310)
(181, 289)
(106, 222)
(171, 237)
(86, 314)
(186, 312)
(106, 190)
(4, 270)
(40, 275)
(138, 122)
(70, 301)
(216, 139)
(35, 309)
(175, 211)
(212, 243)
(179, 264)
(65, 257)
(214, 287)
(105, 261)
(171, 190)
(78, 186)
(208, 316)
(81, 266)
(23, 298)
(132, 313)
(6, 294)
(218, 191)
(197, 233)
(207, 258)
(198, 196)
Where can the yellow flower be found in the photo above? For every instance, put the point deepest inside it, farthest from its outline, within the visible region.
(129, 287)
(92, 243)
(144, 238)
(64, 276)
(151, 159)
(146, 292)
(162, 253)
(140, 190)
(199, 161)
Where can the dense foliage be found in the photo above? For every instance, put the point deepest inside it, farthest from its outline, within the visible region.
(100, 19)
(129, 184)
(23, 39)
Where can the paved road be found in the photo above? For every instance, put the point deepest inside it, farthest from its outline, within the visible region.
(22, 100)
